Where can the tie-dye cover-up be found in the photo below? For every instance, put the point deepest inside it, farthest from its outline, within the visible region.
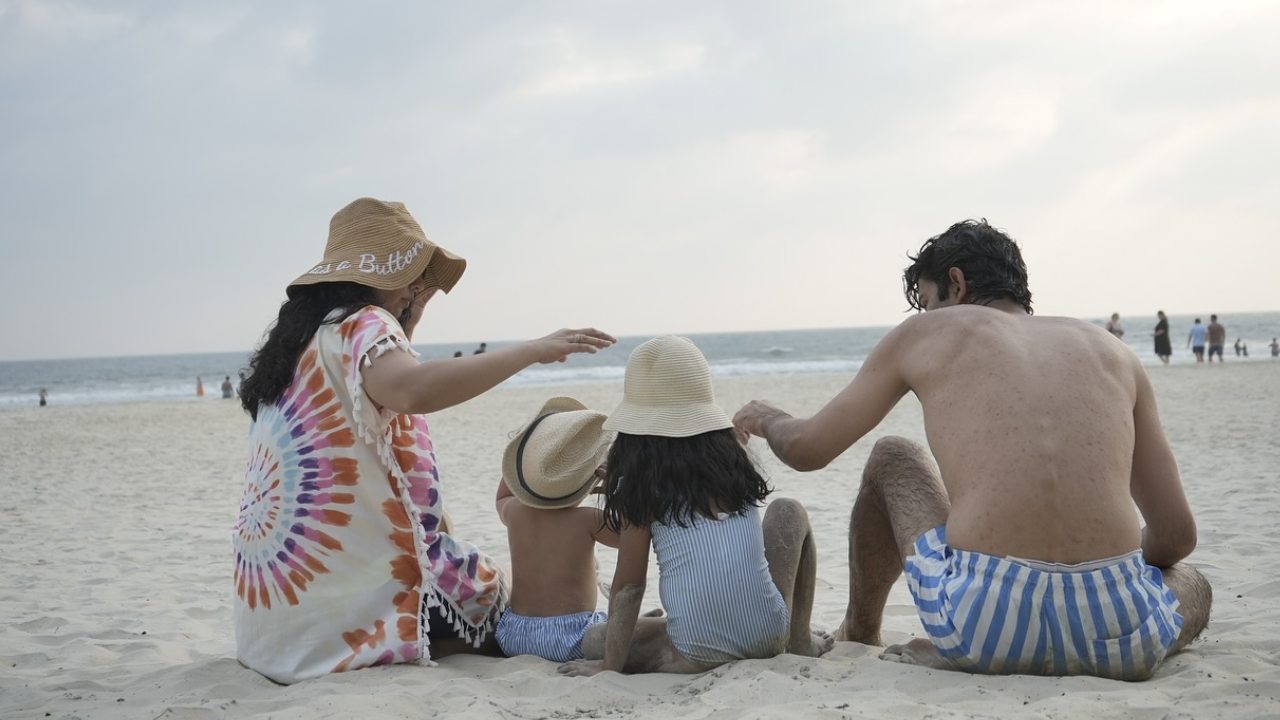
(340, 531)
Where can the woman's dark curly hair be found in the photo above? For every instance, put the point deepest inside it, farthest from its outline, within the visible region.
(670, 480)
(991, 262)
(270, 371)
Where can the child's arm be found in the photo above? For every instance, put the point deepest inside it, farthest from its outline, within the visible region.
(593, 520)
(503, 499)
(624, 604)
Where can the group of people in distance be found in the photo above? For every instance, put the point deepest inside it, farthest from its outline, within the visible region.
(1015, 528)
(1212, 337)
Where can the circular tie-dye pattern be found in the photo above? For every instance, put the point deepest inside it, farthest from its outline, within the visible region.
(293, 496)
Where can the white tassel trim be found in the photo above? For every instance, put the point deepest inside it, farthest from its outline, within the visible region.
(381, 440)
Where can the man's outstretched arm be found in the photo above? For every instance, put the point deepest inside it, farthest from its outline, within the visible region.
(812, 443)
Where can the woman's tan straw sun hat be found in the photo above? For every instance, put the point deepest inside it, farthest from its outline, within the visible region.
(552, 463)
(379, 244)
(667, 392)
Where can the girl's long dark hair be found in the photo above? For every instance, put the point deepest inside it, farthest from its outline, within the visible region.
(670, 480)
(270, 371)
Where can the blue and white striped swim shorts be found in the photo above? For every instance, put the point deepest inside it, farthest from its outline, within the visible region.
(557, 638)
(1112, 618)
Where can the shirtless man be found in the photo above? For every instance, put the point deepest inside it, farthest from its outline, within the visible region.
(1021, 546)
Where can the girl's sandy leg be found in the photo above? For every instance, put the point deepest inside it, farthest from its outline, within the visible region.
(792, 556)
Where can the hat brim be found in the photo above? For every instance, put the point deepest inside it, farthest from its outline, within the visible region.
(510, 469)
(677, 421)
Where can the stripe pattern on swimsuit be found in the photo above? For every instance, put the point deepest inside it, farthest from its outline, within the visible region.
(557, 638)
(998, 615)
(720, 600)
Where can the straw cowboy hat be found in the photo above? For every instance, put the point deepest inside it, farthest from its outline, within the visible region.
(552, 463)
(379, 244)
(667, 392)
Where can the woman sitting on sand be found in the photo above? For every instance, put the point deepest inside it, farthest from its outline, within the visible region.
(343, 555)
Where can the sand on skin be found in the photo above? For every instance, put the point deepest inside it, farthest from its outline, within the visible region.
(115, 580)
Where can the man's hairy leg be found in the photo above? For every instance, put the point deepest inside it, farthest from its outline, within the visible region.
(790, 551)
(901, 498)
(651, 649)
(1195, 598)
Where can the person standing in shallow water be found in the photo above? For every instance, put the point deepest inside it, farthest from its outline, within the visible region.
(343, 556)
(44, 397)
(1164, 348)
(199, 387)
(1114, 327)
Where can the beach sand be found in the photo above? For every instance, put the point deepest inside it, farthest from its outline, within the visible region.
(115, 576)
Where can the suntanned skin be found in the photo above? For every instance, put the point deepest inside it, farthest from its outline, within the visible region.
(1044, 431)
(553, 555)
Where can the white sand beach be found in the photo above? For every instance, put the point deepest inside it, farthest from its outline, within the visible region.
(115, 577)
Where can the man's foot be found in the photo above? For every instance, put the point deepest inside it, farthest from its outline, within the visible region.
(845, 634)
(819, 643)
(917, 652)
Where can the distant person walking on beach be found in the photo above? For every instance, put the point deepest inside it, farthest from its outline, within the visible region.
(1195, 340)
(1275, 348)
(1114, 327)
(344, 557)
(1164, 349)
(199, 387)
(44, 397)
(1034, 443)
(1217, 338)
(228, 390)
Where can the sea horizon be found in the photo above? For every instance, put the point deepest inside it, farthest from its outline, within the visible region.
(172, 377)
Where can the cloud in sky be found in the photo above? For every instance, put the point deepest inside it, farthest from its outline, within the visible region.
(165, 169)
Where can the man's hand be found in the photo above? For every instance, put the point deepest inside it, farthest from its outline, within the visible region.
(581, 668)
(751, 419)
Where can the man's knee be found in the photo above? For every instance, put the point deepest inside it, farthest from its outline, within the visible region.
(890, 455)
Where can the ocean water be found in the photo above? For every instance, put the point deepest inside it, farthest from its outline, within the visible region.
(172, 378)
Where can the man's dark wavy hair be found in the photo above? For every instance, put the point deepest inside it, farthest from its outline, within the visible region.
(271, 369)
(991, 262)
(670, 480)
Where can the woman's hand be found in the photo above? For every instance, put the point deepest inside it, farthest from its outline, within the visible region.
(559, 345)
(412, 314)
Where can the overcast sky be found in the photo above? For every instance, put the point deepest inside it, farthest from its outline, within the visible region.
(166, 168)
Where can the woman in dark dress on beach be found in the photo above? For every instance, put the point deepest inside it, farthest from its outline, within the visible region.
(1163, 348)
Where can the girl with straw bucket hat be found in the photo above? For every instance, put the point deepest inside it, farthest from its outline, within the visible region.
(337, 568)
(677, 478)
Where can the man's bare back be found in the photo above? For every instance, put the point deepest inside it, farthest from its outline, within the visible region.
(1030, 420)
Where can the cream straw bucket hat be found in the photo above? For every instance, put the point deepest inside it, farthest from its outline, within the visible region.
(379, 244)
(667, 392)
(552, 462)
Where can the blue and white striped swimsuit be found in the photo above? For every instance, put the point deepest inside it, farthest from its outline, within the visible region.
(557, 638)
(714, 581)
(1113, 618)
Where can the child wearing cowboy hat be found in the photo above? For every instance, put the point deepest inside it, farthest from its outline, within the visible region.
(733, 586)
(547, 470)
